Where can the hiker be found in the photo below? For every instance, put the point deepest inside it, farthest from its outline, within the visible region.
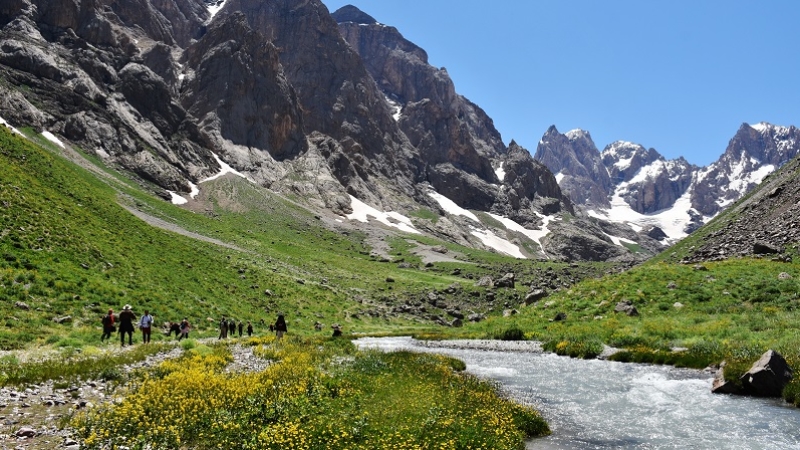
(108, 325)
(126, 319)
(232, 327)
(249, 329)
(185, 327)
(280, 326)
(223, 328)
(146, 325)
(174, 327)
(241, 328)
(337, 330)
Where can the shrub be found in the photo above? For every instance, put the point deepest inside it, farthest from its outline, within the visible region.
(511, 334)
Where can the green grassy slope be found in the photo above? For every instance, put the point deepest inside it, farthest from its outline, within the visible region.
(69, 249)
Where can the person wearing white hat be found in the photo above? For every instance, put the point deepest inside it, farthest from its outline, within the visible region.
(126, 320)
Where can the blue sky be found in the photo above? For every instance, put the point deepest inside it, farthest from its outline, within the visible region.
(678, 76)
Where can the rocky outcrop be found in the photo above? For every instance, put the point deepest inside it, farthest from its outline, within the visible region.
(337, 95)
(753, 153)
(642, 180)
(766, 219)
(576, 160)
(645, 179)
(239, 92)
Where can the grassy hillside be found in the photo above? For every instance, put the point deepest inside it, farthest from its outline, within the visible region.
(70, 250)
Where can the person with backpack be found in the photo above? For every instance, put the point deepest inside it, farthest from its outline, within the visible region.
(249, 329)
(232, 327)
(184, 329)
(223, 328)
(146, 325)
(280, 326)
(241, 328)
(126, 319)
(108, 325)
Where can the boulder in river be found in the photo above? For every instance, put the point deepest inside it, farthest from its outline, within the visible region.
(768, 376)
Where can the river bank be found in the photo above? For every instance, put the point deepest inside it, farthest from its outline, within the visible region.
(607, 404)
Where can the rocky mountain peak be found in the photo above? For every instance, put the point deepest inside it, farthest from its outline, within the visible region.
(350, 13)
(576, 161)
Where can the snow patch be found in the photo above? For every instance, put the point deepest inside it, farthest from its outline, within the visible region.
(501, 245)
(52, 138)
(450, 206)
(214, 8)
(195, 190)
(671, 220)
(500, 172)
(177, 199)
(362, 212)
(3, 122)
(397, 108)
(225, 168)
(559, 177)
(534, 235)
(619, 240)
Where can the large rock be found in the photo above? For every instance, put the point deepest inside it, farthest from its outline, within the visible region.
(768, 376)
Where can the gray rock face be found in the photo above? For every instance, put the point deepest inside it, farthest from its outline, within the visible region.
(574, 155)
(239, 90)
(451, 134)
(752, 153)
(651, 182)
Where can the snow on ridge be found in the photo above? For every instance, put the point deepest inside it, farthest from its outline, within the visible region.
(500, 172)
(451, 207)
(577, 133)
(52, 138)
(559, 177)
(225, 168)
(214, 8)
(487, 237)
(362, 212)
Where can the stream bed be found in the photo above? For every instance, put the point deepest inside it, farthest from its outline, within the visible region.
(596, 404)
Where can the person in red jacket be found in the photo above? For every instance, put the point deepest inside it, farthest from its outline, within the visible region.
(108, 325)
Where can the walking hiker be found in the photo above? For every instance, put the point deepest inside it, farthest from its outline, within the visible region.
(146, 325)
(174, 327)
(241, 328)
(223, 328)
(232, 327)
(108, 325)
(126, 319)
(249, 329)
(184, 329)
(280, 326)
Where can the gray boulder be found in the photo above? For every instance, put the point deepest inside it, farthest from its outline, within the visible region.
(507, 281)
(534, 296)
(768, 376)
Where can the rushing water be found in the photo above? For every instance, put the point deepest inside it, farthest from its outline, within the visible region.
(602, 404)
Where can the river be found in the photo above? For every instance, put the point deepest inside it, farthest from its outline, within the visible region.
(596, 404)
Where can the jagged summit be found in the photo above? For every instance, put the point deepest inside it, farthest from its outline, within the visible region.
(350, 13)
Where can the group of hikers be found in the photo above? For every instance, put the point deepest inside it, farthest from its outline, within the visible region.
(125, 320)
